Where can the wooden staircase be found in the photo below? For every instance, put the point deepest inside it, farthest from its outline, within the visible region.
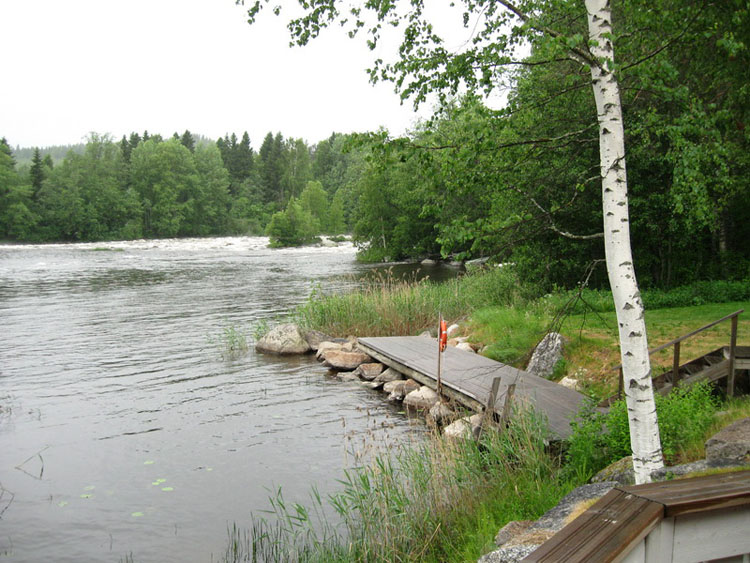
(713, 366)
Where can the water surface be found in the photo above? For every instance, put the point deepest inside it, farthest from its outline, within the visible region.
(123, 429)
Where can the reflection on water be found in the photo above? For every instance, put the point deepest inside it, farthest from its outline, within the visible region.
(123, 430)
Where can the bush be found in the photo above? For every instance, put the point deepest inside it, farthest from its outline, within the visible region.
(598, 439)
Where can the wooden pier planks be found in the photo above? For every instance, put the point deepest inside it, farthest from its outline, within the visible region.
(468, 377)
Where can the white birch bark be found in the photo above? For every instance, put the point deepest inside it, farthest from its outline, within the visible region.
(636, 366)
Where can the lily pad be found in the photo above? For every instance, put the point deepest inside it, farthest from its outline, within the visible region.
(167, 489)
(159, 481)
(89, 488)
(148, 462)
(137, 514)
(62, 503)
(86, 496)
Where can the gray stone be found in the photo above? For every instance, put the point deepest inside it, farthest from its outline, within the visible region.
(731, 445)
(369, 371)
(372, 384)
(452, 329)
(429, 262)
(314, 338)
(422, 398)
(323, 347)
(510, 530)
(620, 471)
(546, 355)
(555, 518)
(400, 388)
(347, 376)
(465, 346)
(389, 375)
(569, 382)
(666, 473)
(283, 339)
(440, 413)
(508, 554)
(466, 427)
(344, 361)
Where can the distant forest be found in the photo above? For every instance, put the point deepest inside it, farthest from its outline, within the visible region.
(148, 186)
(521, 184)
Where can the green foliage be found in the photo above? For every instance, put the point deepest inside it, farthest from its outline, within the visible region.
(292, 227)
(600, 439)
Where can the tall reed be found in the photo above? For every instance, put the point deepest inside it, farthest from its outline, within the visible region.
(441, 500)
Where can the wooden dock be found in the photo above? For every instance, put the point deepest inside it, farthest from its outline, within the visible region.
(467, 378)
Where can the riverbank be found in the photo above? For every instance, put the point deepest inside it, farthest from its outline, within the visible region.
(446, 500)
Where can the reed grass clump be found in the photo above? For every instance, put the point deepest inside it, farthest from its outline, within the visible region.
(441, 500)
(389, 306)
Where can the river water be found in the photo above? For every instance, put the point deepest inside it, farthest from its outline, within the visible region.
(123, 427)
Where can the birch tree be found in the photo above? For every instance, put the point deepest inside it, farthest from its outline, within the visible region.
(498, 30)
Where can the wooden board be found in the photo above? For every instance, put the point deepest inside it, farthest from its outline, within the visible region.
(468, 378)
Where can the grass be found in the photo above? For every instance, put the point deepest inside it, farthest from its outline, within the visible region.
(439, 501)
(232, 342)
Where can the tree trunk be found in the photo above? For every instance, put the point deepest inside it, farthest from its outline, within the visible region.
(639, 393)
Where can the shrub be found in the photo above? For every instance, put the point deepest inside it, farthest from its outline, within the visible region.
(600, 439)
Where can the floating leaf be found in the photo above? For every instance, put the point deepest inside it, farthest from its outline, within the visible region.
(159, 482)
(137, 514)
(148, 462)
(167, 489)
(89, 488)
(86, 496)
(62, 503)
(209, 468)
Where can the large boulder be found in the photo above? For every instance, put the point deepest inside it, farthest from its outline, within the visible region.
(464, 428)
(546, 355)
(731, 445)
(422, 398)
(345, 361)
(620, 472)
(283, 339)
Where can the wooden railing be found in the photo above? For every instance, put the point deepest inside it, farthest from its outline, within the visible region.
(676, 355)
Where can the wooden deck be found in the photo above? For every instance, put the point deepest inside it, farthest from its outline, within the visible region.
(698, 519)
(467, 378)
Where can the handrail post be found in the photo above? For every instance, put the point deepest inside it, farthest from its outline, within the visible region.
(732, 351)
(676, 366)
(620, 384)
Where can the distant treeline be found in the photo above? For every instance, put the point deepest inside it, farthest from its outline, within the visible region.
(147, 186)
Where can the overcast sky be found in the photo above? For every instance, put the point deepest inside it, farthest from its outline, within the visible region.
(75, 66)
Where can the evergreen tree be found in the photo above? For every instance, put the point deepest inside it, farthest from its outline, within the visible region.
(36, 173)
(188, 141)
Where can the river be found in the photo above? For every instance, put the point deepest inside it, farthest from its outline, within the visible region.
(123, 428)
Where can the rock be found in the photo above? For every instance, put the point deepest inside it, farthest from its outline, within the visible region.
(465, 346)
(666, 473)
(452, 329)
(323, 347)
(569, 382)
(459, 429)
(369, 371)
(344, 361)
(372, 384)
(466, 427)
(389, 375)
(422, 398)
(400, 388)
(620, 472)
(314, 338)
(347, 376)
(510, 530)
(508, 554)
(546, 355)
(731, 445)
(283, 339)
(440, 413)
(425, 333)
(519, 546)
(429, 262)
